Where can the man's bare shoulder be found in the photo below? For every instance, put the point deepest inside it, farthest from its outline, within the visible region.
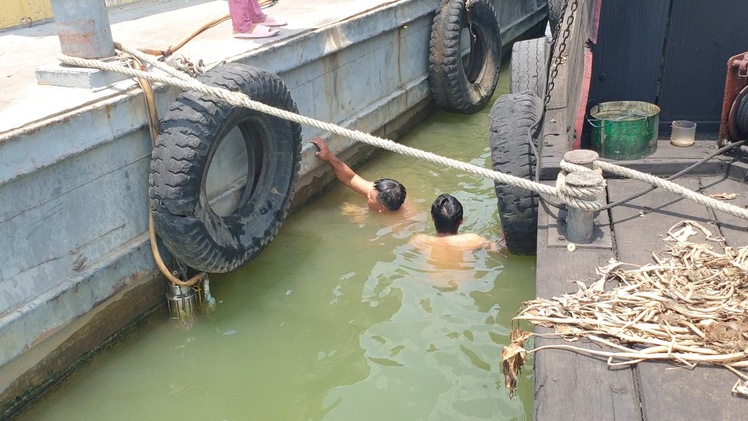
(423, 240)
(469, 241)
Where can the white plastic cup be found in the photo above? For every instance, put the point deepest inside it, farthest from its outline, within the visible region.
(683, 133)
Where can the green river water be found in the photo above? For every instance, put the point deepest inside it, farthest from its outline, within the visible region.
(341, 318)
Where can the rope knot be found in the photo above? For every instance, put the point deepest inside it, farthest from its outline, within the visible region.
(579, 186)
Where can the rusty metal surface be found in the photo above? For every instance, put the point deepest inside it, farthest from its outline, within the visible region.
(83, 28)
(735, 82)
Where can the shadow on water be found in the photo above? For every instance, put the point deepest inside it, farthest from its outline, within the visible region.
(341, 318)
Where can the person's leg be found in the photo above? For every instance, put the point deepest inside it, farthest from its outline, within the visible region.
(239, 10)
(255, 14)
(242, 12)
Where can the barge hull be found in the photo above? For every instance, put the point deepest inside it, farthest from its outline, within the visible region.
(75, 263)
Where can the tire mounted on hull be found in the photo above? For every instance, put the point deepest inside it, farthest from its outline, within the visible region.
(529, 66)
(191, 132)
(464, 84)
(555, 10)
(512, 120)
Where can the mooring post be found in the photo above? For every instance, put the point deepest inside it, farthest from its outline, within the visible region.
(83, 28)
(84, 32)
(580, 222)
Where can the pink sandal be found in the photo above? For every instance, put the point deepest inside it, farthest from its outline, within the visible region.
(257, 31)
(271, 21)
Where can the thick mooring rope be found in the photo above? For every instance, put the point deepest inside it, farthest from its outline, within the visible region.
(241, 100)
(573, 196)
(663, 184)
(570, 193)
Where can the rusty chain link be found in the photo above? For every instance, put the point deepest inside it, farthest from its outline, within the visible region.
(556, 61)
(186, 65)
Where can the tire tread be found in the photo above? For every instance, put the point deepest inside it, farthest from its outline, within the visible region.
(511, 119)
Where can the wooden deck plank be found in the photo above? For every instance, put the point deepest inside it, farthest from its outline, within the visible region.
(676, 393)
(665, 161)
(580, 387)
(568, 385)
(733, 228)
(667, 390)
(641, 225)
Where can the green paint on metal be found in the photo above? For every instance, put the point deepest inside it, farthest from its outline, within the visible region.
(624, 130)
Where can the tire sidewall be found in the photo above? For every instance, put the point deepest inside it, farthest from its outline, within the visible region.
(192, 132)
(454, 87)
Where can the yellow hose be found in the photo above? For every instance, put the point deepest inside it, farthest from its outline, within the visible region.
(153, 124)
(150, 105)
(174, 47)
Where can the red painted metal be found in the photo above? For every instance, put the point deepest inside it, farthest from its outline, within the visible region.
(592, 30)
(735, 82)
(583, 98)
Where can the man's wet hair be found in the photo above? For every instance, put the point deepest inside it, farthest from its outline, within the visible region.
(446, 211)
(391, 194)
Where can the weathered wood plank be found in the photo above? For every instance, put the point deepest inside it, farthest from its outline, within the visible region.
(669, 391)
(666, 160)
(700, 149)
(568, 385)
(738, 171)
(733, 228)
(640, 225)
(571, 386)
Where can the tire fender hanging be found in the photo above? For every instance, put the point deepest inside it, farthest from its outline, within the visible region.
(512, 120)
(191, 132)
(464, 84)
(555, 11)
(529, 66)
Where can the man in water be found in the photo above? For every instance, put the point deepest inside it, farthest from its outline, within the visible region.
(383, 195)
(446, 212)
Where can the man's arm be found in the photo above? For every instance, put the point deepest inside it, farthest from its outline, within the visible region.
(342, 172)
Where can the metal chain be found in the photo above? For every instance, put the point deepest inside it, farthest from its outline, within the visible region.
(556, 61)
(186, 65)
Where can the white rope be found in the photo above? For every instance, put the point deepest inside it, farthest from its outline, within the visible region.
(242, 100)
(573, 196)
(663, 184)
(579, 197)
(147, 58)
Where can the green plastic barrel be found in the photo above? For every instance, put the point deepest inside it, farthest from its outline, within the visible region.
(624, 130)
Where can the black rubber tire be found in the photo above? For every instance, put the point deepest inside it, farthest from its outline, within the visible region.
(555, 10)
(464, 84)
(741, 118)
(511, 119)
(191, 132)
(529, 66)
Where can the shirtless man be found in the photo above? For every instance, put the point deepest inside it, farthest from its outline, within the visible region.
(383, 195)
(446, 212)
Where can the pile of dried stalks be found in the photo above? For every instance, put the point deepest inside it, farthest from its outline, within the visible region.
(689, 307)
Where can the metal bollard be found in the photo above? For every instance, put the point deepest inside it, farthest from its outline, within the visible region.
(83, 28)
(583, 157)
(580, 222)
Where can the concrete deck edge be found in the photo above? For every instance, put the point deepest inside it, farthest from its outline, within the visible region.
(127, 100)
